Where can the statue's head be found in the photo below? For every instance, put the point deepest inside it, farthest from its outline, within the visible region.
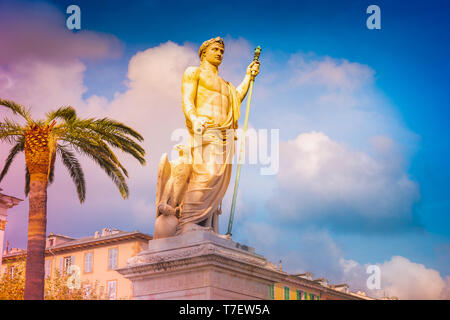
(212, 50)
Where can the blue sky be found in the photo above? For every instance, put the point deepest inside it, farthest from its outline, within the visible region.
(397, 76)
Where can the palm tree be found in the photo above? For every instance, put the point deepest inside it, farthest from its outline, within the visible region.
(62, 132)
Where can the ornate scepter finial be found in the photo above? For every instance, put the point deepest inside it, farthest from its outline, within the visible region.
(257, 53)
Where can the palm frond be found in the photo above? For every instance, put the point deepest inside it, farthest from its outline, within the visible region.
(27, 181)
(10, 130)
(113, 172)
(114, 133)
(17, 109)
(76, 173)
(103, 159)
(65, 113)
(16, 149)
(125, 144)
(95, 138)
(115, 126)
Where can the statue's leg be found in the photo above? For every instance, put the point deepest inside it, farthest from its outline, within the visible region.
(208, 222)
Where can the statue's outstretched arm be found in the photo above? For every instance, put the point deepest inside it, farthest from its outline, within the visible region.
(252, 71)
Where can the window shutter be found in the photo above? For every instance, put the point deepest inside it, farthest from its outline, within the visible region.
(61, 265)
(286, 293)
(112, 290)
(112, 259)
(88, 262)
(48, 268)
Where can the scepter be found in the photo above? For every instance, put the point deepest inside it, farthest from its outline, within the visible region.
(238, 172)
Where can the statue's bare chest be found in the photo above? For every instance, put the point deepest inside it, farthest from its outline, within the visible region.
(212, 82)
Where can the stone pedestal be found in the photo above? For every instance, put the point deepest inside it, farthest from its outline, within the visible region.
(199, 265)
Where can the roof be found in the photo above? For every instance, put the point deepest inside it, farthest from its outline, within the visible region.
(8, 201)
(90, 241)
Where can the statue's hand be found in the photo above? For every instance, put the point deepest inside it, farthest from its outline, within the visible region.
(253, 68)
(200, 124)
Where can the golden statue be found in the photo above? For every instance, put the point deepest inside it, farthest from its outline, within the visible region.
(211, 106)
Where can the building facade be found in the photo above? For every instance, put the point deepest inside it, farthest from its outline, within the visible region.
(93, 259)
(6, 202)
(303, 287)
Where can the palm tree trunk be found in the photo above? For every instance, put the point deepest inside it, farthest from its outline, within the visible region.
(37, 224)
(39, 155)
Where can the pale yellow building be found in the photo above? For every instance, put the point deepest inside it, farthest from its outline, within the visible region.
(303, 287)
(94, 258)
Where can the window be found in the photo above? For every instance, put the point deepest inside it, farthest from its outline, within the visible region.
(61, 266)
(112, 287)
(48, 268)
(286, 293)
(306, 295)
(12, 271)
(272, 291)
(112, 259)
(311, 296)
(88, 260)
(68, 261)
(299, 294)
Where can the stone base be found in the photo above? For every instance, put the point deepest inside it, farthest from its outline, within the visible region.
(199, 265)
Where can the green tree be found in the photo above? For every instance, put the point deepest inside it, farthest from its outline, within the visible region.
(56, 288)
(62, 133)
(12, 281)
(12, 286)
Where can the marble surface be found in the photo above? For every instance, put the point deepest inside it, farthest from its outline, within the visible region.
(199, 265)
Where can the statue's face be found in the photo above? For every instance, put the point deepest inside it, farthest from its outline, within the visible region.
(214, 54)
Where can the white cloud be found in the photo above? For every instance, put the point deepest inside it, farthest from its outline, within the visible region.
(334, 74)
(409, 280)
(316, 251)
(43, 86)
(400, 277)
(326, 181)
